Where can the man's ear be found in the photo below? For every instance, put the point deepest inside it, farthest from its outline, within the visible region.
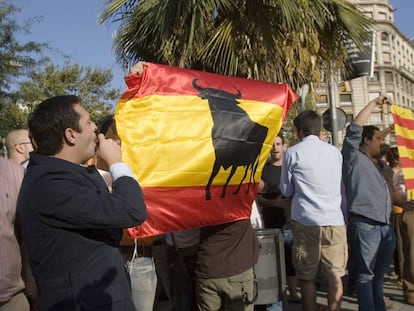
(70, 136)
(19, 148)
(366, 140)
(299, 134)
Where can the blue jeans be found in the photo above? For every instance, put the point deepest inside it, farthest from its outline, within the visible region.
(372, 247)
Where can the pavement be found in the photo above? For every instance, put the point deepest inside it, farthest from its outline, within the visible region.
(392, 293)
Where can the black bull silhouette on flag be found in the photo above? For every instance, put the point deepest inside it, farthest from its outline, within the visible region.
(193, 138)
(237, 140)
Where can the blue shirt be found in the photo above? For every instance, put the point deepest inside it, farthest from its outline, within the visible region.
(311, 176)
(367, 191)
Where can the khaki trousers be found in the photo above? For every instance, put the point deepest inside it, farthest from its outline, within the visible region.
(234, 293)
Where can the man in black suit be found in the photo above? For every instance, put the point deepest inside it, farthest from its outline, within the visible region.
(70, 220)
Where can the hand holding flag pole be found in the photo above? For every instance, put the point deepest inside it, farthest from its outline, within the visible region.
(138, 68)
(365, 113)
(197, 142)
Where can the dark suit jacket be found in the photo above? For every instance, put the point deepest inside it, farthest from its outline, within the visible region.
(72, 226)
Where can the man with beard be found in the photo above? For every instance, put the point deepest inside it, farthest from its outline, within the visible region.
(371, 237)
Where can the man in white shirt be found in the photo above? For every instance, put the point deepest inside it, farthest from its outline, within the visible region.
(311, 176)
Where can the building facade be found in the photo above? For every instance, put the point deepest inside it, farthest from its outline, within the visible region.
(393, 71)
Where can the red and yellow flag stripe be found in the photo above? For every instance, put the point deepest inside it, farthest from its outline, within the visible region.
(404, 131)
(166, 133)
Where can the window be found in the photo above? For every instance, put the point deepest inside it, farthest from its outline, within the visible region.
(384, 37)
(389, 77)
(368, 14)
(322, 100)
(382, 15)
(345, 98)
(375, 77)
(386, 57)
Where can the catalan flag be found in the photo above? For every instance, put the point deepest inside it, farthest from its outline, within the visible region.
(404, 131)
(197, 142)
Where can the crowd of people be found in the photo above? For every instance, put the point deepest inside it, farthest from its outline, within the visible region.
(62, 223)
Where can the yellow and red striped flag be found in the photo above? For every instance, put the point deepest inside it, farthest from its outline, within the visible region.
(404, 132)
(197, 142)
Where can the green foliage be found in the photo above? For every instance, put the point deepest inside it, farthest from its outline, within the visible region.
(92, 85)
(274, 40)
(14, 116)
(27, 78)
(16, 58)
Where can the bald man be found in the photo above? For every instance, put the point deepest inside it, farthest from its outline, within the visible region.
(11, 283)
(18, 146)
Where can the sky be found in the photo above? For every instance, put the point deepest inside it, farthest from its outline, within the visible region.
(71, 27)
(403, 16)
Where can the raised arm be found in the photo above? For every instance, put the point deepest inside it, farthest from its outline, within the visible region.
(364, 114)
(386, 131)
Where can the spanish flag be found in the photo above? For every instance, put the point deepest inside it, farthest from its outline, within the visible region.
(197, 142)
(404, 132)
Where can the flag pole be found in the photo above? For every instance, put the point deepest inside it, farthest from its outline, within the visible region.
(332, 106)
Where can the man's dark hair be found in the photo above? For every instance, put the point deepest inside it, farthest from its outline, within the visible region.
(393, 157)
(49, 120)
(368, 132)
(281, 137)
(105, 123)
(384, 150)
(308, 122)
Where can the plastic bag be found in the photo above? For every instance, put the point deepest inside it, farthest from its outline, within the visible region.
(143, 281)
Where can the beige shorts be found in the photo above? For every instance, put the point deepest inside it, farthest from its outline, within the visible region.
(316, 249)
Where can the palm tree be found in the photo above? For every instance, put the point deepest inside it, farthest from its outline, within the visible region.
(288, 41)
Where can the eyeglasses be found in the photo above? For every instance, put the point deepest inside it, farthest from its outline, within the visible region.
(23, 143)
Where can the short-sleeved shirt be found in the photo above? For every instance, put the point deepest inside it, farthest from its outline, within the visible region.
(271, 177)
